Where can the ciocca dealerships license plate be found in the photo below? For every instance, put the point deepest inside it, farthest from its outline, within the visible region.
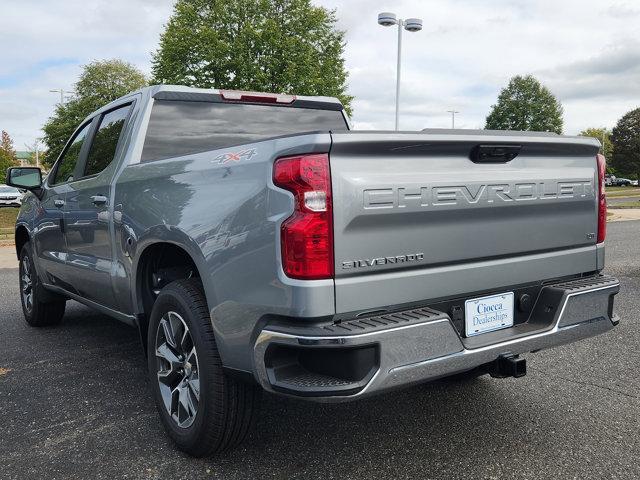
(489, 313)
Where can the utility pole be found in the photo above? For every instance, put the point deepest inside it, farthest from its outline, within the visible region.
(453, 117)
(61, 91)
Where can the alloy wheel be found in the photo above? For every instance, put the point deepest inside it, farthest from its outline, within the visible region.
(26, 283)
(177, 369)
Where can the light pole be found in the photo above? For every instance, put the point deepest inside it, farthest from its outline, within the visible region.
(36, 151)
(61, 91)
(387, 19)
(453, 117)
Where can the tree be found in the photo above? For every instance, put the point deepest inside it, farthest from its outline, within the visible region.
(7, 155)
(5, 162)
(526, 104)
(626, 144)
(100, 83)
(604, 137)
(6, 146)
(32, 149)
(281, 46)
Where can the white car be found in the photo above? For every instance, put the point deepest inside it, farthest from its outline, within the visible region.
(10, 196)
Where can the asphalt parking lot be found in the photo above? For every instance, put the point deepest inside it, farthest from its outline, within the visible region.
(74, 403)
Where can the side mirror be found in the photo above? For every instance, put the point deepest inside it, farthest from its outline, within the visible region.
(27, 178)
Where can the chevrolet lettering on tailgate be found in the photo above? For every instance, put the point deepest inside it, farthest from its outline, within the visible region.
(437, 195)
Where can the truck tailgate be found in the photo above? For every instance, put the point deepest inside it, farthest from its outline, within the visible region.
(416, 219)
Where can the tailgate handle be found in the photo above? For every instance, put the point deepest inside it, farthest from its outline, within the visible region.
(494, 153)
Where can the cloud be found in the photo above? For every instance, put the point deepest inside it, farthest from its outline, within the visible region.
(612, 74)
(48, 42)
(623, 10)
(585, 51)
(469, 49)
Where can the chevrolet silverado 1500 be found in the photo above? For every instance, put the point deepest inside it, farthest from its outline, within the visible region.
(257, 243)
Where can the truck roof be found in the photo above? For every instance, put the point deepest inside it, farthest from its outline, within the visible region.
(154, 90)
(179, 92)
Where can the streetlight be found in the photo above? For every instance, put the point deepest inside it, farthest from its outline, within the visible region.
(387, 19)
(36, 150)
(453, 117)
(61, 92)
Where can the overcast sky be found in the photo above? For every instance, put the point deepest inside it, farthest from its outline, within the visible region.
(587, 52)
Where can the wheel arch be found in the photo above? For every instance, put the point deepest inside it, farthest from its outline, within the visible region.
(160, 263)
(21, 238)
(160, 255)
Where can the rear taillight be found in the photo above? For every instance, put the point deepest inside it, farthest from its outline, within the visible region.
(602, 199)
(306, 237)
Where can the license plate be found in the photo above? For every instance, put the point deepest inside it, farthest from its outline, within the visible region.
(490, 313)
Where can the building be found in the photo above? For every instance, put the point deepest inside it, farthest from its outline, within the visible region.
(24, 157)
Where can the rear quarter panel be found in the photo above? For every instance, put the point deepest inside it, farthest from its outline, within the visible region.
(226, 215)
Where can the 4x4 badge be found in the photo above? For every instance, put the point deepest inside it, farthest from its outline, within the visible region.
(225, 158)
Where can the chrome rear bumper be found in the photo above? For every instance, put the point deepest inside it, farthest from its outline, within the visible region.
(422, 344)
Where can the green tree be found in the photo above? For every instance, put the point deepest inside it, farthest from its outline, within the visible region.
(7, 155)
(626, 144)
(281, 46)
(603, 135)
(5, 162)
(6, 146)
(100, 83)
(526, 104)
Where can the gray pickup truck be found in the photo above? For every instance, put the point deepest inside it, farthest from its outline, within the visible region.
(257, 243)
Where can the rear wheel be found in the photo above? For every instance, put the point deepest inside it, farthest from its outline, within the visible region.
(40, 307)
(202, 409)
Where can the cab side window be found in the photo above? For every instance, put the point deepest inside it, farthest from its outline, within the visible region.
(67, 164)
(105, 141)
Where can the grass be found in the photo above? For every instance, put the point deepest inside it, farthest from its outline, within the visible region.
(7, 222)
(632, 204)
(623, 191)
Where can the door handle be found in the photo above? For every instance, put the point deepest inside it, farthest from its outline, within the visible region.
(58, 203)
(99, 200)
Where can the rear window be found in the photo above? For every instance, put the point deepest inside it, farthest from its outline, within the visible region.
(181, 128)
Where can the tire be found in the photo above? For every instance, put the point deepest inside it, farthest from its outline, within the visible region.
(40, 307)
(222, 413)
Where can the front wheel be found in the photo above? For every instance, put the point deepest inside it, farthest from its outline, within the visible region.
(40, 308)
(202, 409)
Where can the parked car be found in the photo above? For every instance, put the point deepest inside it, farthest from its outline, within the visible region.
(10, 196)
(257, 243)
(622, 182)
